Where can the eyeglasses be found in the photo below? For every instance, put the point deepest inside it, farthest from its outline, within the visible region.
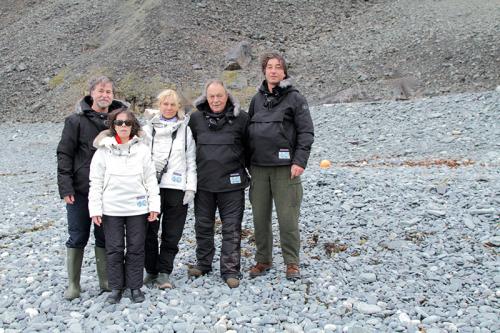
(127, 123)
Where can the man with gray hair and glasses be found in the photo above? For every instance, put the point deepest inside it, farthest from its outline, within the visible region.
(74, 154)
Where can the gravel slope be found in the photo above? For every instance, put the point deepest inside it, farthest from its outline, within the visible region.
(400, 235)
(344, 50)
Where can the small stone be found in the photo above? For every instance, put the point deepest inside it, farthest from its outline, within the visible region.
(431, 319)
(448, 139)
(180, 327)
(293, 328)
(330, 328)
(366, 308)
(469, 223)
(435, 212)
(360, 329)
(368, 277)
(435, 330)
(442, 188)
(21, 67)
(482, 211)
(31, 312)
(75, 328)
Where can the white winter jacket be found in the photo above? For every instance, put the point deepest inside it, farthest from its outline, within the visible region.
(122, 178)
(181, 169)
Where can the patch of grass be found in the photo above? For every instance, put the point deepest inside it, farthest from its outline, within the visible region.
(58, 79)
(229, 76)
(141, 93)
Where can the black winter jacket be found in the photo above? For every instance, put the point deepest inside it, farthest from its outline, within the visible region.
(75, 149)
(281, 130)
(220, 153)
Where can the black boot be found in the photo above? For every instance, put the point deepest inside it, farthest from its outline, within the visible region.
(115, 296)
(137, 296)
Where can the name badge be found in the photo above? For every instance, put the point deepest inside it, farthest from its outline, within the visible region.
(141, 201)
(235, 178)
(284, 154)
(177, 177)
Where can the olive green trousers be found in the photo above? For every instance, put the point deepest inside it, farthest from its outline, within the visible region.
(274, 184)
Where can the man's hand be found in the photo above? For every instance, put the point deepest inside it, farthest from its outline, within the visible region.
(296, 171)
(97, 220)
(152, 216)
(69, 199)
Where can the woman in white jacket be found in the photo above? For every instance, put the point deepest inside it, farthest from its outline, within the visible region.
(123, 196)
(174, 156)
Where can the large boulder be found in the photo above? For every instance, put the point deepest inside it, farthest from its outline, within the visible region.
(238, 56)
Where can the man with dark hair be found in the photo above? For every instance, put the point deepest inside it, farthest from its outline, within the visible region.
(74, 154)
(219, 128)
(281, 133)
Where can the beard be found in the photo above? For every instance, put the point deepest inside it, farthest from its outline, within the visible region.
(102, 104)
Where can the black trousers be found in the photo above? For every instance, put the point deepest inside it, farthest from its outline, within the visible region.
(125, 267)
(173, 219)
(231, 206)
(79, 223)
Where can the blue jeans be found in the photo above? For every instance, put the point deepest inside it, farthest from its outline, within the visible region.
(79, 223)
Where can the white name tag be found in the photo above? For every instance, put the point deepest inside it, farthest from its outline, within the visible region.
(141, 201)
(234, 178)
(284, 154)
(177, 177)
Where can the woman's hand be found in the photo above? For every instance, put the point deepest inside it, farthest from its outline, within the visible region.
(97, 220)
(152, 216)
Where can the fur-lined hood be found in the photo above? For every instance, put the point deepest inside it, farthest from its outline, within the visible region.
(106, 139)
(85, 105)
(202, 100)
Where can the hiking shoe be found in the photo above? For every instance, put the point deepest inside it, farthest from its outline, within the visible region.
(260, 269)
(114, 297)
(232, 282)
(137, 295)
(292, 272)
(163, 281)
(195, 271)
(150, 278)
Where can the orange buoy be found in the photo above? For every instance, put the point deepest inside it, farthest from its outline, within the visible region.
(325, 164)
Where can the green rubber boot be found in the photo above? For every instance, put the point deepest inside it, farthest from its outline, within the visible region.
(74, 260)
(102, 274)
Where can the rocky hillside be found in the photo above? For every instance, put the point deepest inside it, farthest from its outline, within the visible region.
(345, 50)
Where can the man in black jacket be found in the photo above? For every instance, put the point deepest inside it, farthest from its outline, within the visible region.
(281, 133)
(219, 128)
(74, 154)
